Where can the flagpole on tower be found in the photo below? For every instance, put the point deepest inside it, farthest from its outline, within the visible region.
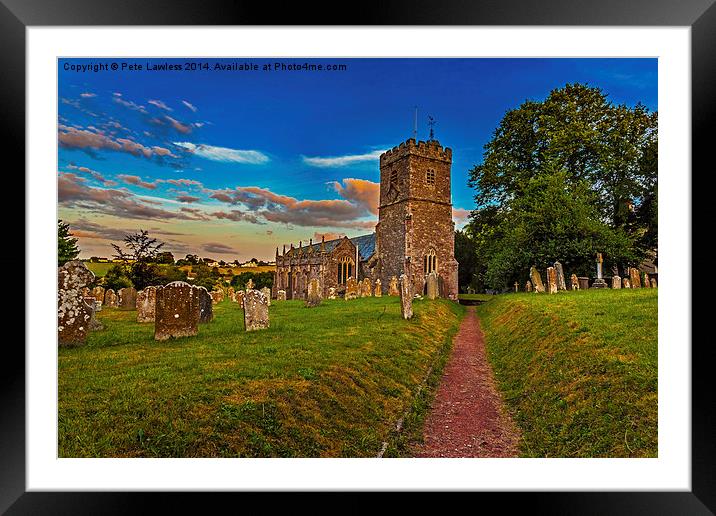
(415, 125)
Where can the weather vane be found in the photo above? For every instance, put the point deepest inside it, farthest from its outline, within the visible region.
(431, 123)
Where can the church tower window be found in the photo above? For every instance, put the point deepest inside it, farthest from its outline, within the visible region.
(430, 262)
(430, 177)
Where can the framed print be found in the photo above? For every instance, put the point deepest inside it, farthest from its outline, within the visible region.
(418, 252)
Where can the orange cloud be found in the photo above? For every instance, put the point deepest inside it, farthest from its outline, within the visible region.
(365, 193)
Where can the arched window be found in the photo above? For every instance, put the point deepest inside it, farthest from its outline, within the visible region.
(345, 270)
(430, 262)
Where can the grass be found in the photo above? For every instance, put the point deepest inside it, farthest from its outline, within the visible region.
(578, 370)
(99, 268)
(330, 381)
(476, 297)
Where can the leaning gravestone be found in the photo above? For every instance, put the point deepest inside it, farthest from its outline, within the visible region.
(73, 314)
(378, 289)
(551, 280)
(127, 298)
(314, 293)
(351, 289)
(146, 303)
(206, 310)
(574, 281)
(177, 311)
(256, 314)
(267, 292)
(94, 324)
(406, 297)
(616, 282)
(634, 277)
(281, 295)
(110, 298)
(432, 285)
(528, 286)
(536, 279)
(393, 287)
(561, 284)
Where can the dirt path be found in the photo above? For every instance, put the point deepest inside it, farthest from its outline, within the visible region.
(468, 417)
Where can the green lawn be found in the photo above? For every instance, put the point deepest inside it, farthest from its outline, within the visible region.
(476, 297)
(99, 269)
(329, 381)
(578, 370)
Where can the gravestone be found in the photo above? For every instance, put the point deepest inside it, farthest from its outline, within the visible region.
(536, 279)
(98, 293)
(94, 324)
(229, 291)
(378, 292)
(647, 281)
(561, 284)
(528, 286)
(239, 297)
(97, 305)
(432, 285)
(393, 287)
(517, 287)
(206, 310)
(634, 277)
(127, 298)
(250, 284)
(653, 283)
(583, 282)
(551, 280)
(217, 296)
(574, 281)
(110, 298)
(616, 282)
(281, 295)
(146, 303)
(331, 292)
(256, 313)
(177, 311)
(73, 314)
(351, 289)
(599, 282)
(314, 293)
(267, 292)
(626, 283)
(366, 288)
(406, 297)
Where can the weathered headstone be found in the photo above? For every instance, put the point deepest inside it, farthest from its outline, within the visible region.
(127, 298)
(331, 292)
(378, 292)
(206, 310)
(98, 293)
(256, 313)
(94, 323)
(97, 305)
(313, 298)
(281, 295)
(267, 292)
(85, 292)
(616, 282)
(653, 283)
(551, 280)
(536, 279)
(647, 281)
(528, 286)
(634, 277)
(239, 297)
(406, 297)
(73, 314)
(250, 284)
(626, 283)
(517, 287)
(217, 296)
(574, 281)
(561, 284)
(177, 311)
(146, 303)
(599, 282)
(351, 289)
(110, 298)
(393, 289)
(583, 282)
(432, 285)
(366, 289)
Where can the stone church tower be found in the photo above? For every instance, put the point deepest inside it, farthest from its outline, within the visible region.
(415, 233)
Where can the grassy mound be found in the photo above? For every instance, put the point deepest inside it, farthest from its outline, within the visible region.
(329, 381)
(578, 370)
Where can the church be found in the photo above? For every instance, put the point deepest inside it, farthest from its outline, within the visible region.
(415, 233)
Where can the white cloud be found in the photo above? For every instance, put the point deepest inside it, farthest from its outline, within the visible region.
(190, 106)
(159, 104)
(341, 161)
(224, 153)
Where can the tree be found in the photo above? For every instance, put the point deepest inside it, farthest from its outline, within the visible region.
(469, 269)
(67, 249)
(140, 258)
(205, 276)
(116, 278)
(165, 257)
(260, 279)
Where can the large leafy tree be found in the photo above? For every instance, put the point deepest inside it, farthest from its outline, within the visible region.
(139, 258)
(605, 157)
(67, 249)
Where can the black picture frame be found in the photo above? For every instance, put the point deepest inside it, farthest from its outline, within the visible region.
(699, 15)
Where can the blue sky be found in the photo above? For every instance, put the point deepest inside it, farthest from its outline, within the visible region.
(232, 164)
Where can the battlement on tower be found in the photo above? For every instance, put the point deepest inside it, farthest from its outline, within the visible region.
(427, 149)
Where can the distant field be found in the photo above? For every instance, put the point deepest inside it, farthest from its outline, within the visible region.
(329, 381)
(100, 269)
(578, 370)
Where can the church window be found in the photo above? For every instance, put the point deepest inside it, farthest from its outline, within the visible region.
(394, 176)
(345, 270)
(430, 262)
(430, 177)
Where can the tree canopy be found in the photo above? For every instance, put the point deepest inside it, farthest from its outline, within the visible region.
(67, 249)
(563, 179)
